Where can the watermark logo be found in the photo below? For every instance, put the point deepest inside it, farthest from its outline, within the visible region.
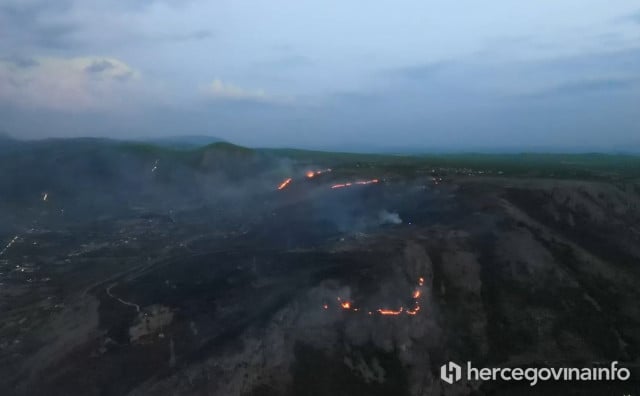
(450, 372)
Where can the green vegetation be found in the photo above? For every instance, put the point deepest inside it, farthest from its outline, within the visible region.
(621, 167)
(576, 166)
(194, 157)
(544, 165)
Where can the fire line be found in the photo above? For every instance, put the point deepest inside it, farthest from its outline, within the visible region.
(359, 182)
(284, 184)
(311, 174)
(416, 294)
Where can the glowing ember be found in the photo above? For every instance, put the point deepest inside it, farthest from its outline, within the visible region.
(284, 184)
(367, 181)
(413, 311)
(417, 293)
(359, 182)
(390, 312)
(310, 174)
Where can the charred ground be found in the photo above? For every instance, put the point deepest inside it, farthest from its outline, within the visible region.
(136, 269)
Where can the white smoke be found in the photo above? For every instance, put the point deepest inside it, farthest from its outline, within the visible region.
(389, 218)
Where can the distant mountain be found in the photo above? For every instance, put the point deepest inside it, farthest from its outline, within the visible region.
(4, 136)
(183, 142)
(8, 143)
(90, 177)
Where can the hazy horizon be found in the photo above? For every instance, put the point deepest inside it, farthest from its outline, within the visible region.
(465, 76)
(355, 148)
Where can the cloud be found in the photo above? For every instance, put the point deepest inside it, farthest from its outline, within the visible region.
(98, 66)
(589, 86)
(37, 23)
(33, 9)
(20, 61)
(72, 26)
(196, 35)
(593, 86)
(606, 72)
(220, 90)
(420, 72)
(142, 5)
(66, 84)
(288, 61)
(634, 18)
(54, 35)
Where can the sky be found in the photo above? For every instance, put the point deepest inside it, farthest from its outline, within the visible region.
(352, 74)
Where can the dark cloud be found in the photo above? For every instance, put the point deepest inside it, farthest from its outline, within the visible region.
(419, 72)
(242, 108)
(141, 5)
(285, 62)
(282, 47)
(603, 85)
(24, 10)
(356, 99)
(99, 66)
(610, 72)
(197, 35)
(55, 36)
(37, 24)
(28, 25)
(603, 72)
(21, 62)
(426, 101)
(122, 77)
(626, 60)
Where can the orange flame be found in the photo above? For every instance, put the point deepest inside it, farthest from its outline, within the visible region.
(310, 174)
(348, 305)
(390, 311)
(367, 181)
(284, 184)
(360, 182)
(413, 311)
